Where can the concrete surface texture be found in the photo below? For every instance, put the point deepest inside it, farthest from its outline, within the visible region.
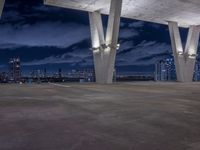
(125, 116)
(185, 12)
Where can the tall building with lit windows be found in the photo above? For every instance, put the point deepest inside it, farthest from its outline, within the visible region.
(165, 70)
(197, 71)
(15, 69)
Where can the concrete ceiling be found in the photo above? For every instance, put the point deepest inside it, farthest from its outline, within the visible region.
(185, 12)
(1, 6)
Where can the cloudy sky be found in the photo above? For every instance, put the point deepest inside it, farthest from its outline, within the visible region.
(52, 38)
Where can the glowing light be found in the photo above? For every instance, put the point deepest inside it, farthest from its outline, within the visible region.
(180, 53)
(105, 47)
(96, 43)
(118, 46)
(96, 49)
(192, 56)
(107, 50)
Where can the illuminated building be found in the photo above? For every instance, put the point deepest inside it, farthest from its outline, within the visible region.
(15, 69)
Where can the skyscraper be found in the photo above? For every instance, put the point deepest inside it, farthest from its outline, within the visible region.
(165, 70)
(197, 71)
(15, 69)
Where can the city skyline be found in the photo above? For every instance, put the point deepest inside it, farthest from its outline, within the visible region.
(52, 38)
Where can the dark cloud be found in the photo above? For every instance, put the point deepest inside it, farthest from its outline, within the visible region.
(41, 34)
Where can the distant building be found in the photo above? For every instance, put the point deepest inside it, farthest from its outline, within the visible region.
(84, 75)
(45, 73)
(197, 72)
(15, 69)
(165, 70)
(3, 77)
(60, 73)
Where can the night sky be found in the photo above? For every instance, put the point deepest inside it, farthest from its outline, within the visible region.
(50, 37)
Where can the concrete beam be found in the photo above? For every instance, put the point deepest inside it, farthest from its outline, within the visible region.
(185, 58)
(185, 12)
(104, 48)
(1, 6)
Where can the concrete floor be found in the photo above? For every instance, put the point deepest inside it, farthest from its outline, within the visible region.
(126, 116)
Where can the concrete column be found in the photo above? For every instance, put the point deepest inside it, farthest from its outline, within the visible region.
(184, 58)
(104, 48)
(1, 6)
